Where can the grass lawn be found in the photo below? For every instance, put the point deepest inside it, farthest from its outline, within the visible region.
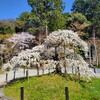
(52, 87)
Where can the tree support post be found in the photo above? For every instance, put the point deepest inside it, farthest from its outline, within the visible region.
(14, 74)
(27, 75)
(22, 93)
(37, 71)
(6, 77)
(66, 93)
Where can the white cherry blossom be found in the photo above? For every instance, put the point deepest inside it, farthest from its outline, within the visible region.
(61, 43)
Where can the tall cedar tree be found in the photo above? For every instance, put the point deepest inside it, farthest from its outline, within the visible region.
(42, 12)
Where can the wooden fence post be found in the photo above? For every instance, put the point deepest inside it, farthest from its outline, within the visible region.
(27, 75)
(53, 68)
(14, 74)
(65, 70)
(78, 73)
(37, 71)
(48, 70)
(66, 93)
(94, 70)
(24, 71)
(6, 77)
(72, 70)
(42, 71)
(22, 93)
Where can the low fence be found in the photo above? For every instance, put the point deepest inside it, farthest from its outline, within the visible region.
(22, 93)
(22, 73)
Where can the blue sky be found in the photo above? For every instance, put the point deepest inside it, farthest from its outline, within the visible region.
(13, 8)
(68, 5)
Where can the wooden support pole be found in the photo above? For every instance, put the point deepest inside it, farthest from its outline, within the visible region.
(42, 71)
(37, 71)
(27, 75)
(22, 93)
(49, 71)
(14, 74)
(78, 73)
(66, 93)
(72, 70)
(24, 71)
(65, 70)
(6, 77)
(94, 69)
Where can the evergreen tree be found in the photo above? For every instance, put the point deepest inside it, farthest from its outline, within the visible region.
(43, 10)
(22, 23)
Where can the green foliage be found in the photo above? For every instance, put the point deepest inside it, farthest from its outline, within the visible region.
(2, 26)
(43, 11)
(78, 23)
(7, 26)
(57, 21)
(85, 36)
(52, 87)
(24, 16)
(91, 9)
(19, 25)
(73, 17)
(31, 31)
(8, 30)
(22, 23)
